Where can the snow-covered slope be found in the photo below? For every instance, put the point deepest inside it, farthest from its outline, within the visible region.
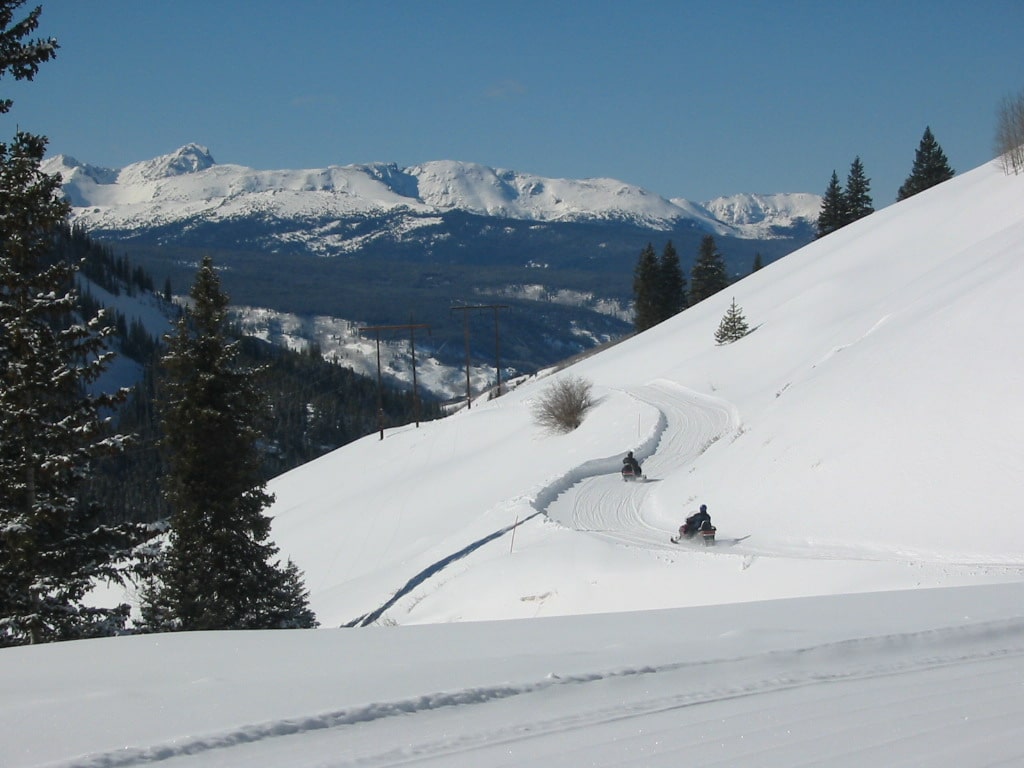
(861, 434)
(923, 678)
(865, 435)
(188, 183)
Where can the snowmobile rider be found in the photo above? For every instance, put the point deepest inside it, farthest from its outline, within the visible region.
(695, 522)
(631, 463)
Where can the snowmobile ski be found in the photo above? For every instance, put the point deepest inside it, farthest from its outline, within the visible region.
(715, 542)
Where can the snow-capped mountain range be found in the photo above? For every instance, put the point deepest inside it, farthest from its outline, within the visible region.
(189, 185)
(344, 246)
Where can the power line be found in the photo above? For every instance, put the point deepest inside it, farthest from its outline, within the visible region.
(497, 343)
(411, 327)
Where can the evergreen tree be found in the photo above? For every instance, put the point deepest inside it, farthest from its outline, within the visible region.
(857, 194)
(930, 168)
(218, 571)
(733, 326)
(708, 275)
(51, 551)
(671, 283)
(758, 264)
(18, 56)
(645, 290)
(832, 215)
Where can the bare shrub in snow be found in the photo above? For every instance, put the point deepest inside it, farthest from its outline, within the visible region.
(562, 406)
(1010, 133)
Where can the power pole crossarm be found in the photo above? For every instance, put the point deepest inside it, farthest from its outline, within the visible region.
(411, 327)
(497, 342)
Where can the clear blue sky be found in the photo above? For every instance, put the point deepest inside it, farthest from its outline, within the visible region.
(687, 99)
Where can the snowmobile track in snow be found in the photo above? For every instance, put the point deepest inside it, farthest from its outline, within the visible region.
(999, 644)
(605, 506)
(600, 502)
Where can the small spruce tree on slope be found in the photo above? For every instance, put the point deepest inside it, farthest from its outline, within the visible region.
(219, 571)
(930, 168)
(51, 549)
(733, 326)
(708, 275)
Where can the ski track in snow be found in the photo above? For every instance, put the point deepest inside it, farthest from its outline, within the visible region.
(700, 683)
(430, 571)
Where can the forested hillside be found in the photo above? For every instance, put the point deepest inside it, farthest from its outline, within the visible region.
(315, 406)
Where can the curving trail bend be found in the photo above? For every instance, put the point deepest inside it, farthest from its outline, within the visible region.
(606, 506)
(600, 504)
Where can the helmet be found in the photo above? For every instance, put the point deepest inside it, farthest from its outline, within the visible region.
(703, 507)
(630, 454)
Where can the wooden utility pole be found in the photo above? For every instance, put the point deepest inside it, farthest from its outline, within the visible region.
(497, 342)
(411, 327)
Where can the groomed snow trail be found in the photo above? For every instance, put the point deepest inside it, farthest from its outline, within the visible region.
(608, 507)
(604, 506)
(594, 498)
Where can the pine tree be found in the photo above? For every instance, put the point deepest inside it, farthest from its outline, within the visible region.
(671, 283)
(857, 194)
(758, 263)
(832, 215)
(708, 275)
(930, 168)
(18, 56)
(51, 550)
(733, 326)
(218, 570)
(645, 290)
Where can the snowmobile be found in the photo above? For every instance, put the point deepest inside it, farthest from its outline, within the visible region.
(631, 474)
(699, 527)
(631, 468)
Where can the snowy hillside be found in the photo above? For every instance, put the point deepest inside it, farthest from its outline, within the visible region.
(188, 183)
(859, 451)
(873, 407)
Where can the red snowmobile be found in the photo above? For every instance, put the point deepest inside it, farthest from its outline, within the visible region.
(697, 526)
(631, 474)
(631, 468)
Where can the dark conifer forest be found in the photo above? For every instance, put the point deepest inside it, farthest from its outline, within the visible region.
(315, 406)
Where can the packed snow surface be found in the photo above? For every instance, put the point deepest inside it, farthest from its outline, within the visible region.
(508, 600)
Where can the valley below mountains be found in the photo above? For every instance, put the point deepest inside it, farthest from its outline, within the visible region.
(314, 255)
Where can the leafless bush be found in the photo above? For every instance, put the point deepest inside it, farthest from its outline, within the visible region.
(562, 406)
(1010, 133)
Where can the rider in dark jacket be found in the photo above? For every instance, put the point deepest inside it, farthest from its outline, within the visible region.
(631, 462)
(695, 522)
